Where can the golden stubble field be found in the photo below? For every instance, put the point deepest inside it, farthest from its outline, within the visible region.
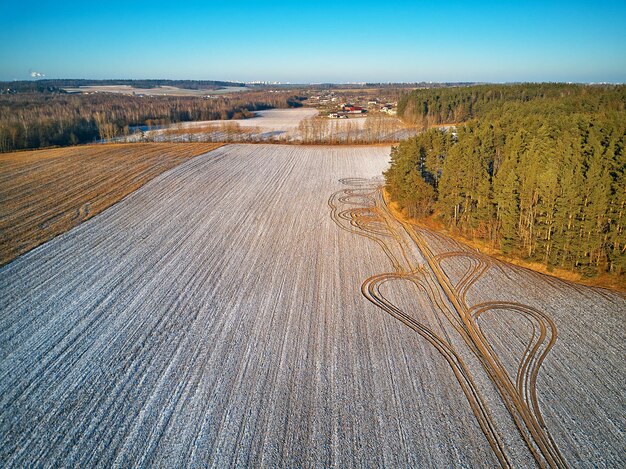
(46, 192)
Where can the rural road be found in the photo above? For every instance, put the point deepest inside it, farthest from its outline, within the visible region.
(215, 318)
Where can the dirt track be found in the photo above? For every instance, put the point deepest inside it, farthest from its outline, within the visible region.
(461, 332)
(220, 316)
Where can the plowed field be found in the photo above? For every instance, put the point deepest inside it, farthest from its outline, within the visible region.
(260, 306)
(46, 192)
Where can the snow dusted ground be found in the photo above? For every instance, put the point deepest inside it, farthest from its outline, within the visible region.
(270, 120)
(279, 125)
(215, 317)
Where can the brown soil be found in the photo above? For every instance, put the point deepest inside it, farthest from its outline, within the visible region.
(44, 193)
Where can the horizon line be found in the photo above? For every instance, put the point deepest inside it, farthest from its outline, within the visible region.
(352, 83)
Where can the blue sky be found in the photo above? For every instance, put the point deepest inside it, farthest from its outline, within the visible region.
(321, 41)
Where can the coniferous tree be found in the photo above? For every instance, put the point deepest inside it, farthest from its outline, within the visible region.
(540, 171)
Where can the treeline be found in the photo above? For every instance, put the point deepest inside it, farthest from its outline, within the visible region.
(52, 85)
(35, 120)
(428, 107)
(375, 128)
(542, 178)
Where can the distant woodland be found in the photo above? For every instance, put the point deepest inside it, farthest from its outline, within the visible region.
(47, 116)
(538, 171)
(50, 85)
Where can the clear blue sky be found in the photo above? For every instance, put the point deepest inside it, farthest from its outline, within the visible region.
(315, 41)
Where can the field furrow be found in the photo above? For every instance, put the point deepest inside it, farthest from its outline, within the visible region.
(46, 192)
(258, 305)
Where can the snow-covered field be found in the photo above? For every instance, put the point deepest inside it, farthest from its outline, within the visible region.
(215, 317)
(270, 120)
(280, 125)
(156, 91)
